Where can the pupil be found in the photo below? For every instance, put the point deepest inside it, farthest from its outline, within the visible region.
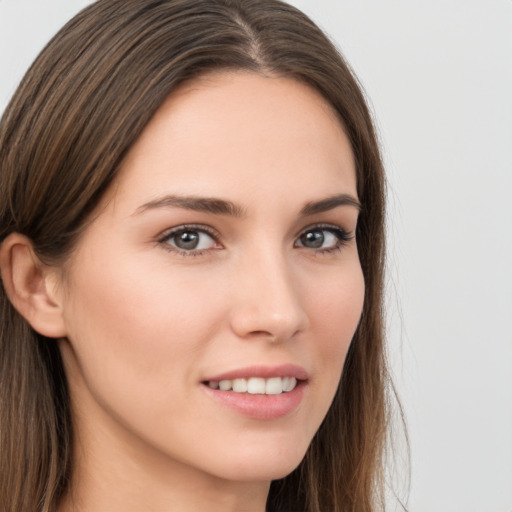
(187, 240)
(313, 239)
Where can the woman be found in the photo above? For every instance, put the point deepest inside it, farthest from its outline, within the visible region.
(192, 212)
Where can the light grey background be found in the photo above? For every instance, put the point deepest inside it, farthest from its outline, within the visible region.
(439, 75)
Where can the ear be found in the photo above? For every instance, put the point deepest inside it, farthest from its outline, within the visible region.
(31, 286)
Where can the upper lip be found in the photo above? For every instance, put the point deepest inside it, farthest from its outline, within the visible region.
(267, 372)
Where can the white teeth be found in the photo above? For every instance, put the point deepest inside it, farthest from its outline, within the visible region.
(239, 385)
(274, 386)
(289, 383)
(225, 385)
(256, 385)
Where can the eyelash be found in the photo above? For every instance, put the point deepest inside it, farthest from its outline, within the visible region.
(163, 240)
(343, 238)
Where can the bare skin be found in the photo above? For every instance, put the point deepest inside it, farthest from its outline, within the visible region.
(167, 289)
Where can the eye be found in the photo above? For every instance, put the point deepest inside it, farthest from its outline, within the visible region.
(323, 238)
(189, 239)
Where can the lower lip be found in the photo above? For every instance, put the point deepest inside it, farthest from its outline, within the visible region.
(260, 407)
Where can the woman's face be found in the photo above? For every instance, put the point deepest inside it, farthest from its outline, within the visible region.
(224, 251)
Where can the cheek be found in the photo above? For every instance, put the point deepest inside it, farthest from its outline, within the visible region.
(139, 318)
(336, 311)
(137, 338)
(337, 316)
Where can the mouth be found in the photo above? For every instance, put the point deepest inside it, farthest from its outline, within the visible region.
(255, 385)
(260, 392)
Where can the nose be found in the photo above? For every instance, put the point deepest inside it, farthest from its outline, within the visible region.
(267, 303)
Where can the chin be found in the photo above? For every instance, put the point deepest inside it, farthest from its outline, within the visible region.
(263, 464)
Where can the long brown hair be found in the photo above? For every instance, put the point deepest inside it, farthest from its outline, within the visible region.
(78, 110)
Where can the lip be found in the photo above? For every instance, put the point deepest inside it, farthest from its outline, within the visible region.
(260, 407)
(267, 372)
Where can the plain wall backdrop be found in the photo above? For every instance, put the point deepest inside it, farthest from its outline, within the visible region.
(439, 77)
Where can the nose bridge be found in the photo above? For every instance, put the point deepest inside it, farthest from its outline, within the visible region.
(267, 299)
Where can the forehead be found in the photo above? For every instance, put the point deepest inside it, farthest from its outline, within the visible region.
(227, 131)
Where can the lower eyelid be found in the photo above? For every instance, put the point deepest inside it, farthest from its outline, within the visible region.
(164, 240)
(342, 236)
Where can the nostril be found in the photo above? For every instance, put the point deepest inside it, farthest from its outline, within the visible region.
(261, 334)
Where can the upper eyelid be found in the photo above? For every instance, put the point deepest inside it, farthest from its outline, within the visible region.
(326, 226)
(192, 227)
(216, 236)
(213, 232)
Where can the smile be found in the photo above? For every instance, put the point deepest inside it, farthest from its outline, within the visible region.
(256, 385)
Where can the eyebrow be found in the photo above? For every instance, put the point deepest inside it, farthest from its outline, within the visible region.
(198, 204)
(330, 203)
(223, 207)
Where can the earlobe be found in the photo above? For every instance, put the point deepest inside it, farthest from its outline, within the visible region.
(31, 286)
